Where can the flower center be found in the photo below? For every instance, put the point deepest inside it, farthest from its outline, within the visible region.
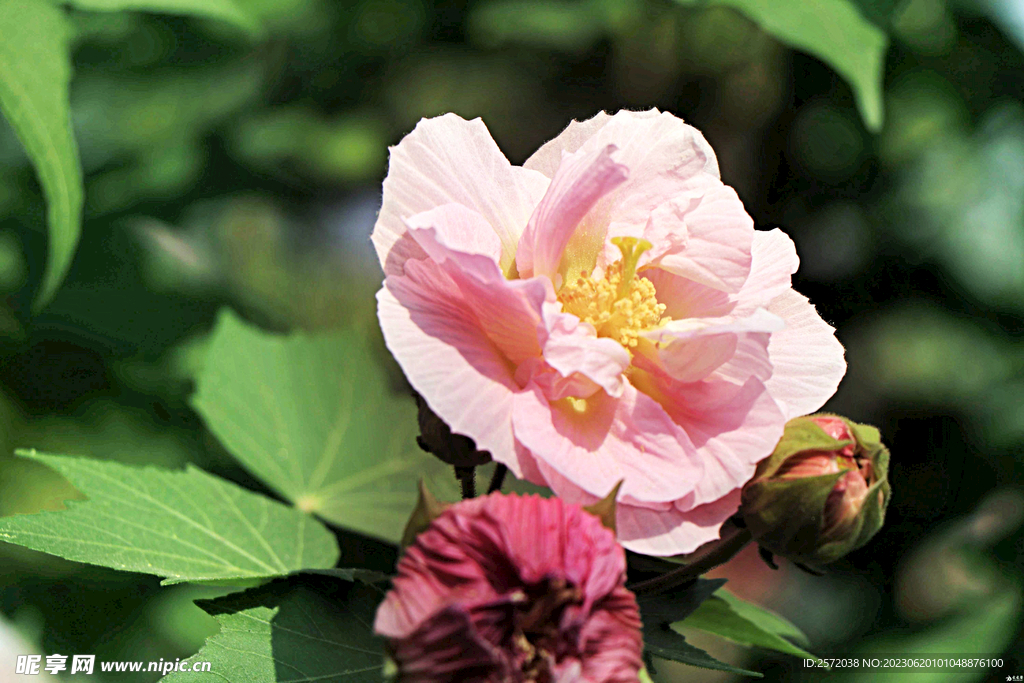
(620, 305)
(538, 639)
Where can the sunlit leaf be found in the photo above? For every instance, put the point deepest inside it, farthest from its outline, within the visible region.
(313, 418)
(35, 69)
(183, 525)
(835, 32)
(745, 623)
(226, 10)
(292, 631)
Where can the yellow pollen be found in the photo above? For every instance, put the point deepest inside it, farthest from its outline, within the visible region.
(620, 305)
(577, 404)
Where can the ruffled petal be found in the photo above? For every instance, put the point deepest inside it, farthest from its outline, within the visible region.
(716, 249)
(508, 311)
(449, 160)
(580, 181)
(807, 359)
(541, 538)
(665, 158)
(774, 261)
(461, 229)
(684, 298)
(691, 349)
(734, 426)
(665, 528)
(549, 156)
(573, 347)
(447, 646)
(446, 356)
(602, 440)
(673, 532)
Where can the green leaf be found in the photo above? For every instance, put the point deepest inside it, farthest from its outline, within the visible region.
(292, 631)
(660, 610)
(226, 10)
(183, 525)
(674, 647)
(35, 68)
(835, 32)
(725, 615)
(313, 418)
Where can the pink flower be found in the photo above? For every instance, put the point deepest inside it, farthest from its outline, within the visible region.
(605, 312)
(509, 588)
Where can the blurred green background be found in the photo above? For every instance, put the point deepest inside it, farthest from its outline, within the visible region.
(226, 170)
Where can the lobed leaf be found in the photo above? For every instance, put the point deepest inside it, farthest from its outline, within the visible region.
(182, 525)
(313, 418)
(292, 631)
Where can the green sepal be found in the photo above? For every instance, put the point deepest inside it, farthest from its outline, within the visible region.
(801, 435)
(786, 516)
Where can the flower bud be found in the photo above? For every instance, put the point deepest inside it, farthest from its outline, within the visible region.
(822, 493)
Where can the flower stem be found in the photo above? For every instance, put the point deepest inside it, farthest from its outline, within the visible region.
(498, 478)
(719, 554)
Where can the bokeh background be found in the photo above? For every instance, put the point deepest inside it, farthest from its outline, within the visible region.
(222, 170)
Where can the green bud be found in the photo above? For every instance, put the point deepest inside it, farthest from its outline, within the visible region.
(822, 493)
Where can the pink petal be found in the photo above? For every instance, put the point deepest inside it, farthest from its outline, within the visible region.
(665, 158)
(684, 298)
(630, 438)
(716, 251)
(610, 641)
(672, 532)
(806, 357)
(449, 160)
(734, 426)
(689, 350)
(540, 536)
(574, 347)
(549, 156)
(653, 528)
(446, 356)
(553, 384)
(445, 647)
(774, 262)
(581, 180)
(461, 229)
(508, 311)
(749, 360)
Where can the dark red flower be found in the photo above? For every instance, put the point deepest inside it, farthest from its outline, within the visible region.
(513, 588)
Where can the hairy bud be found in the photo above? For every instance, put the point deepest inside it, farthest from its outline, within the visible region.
(822, 493)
